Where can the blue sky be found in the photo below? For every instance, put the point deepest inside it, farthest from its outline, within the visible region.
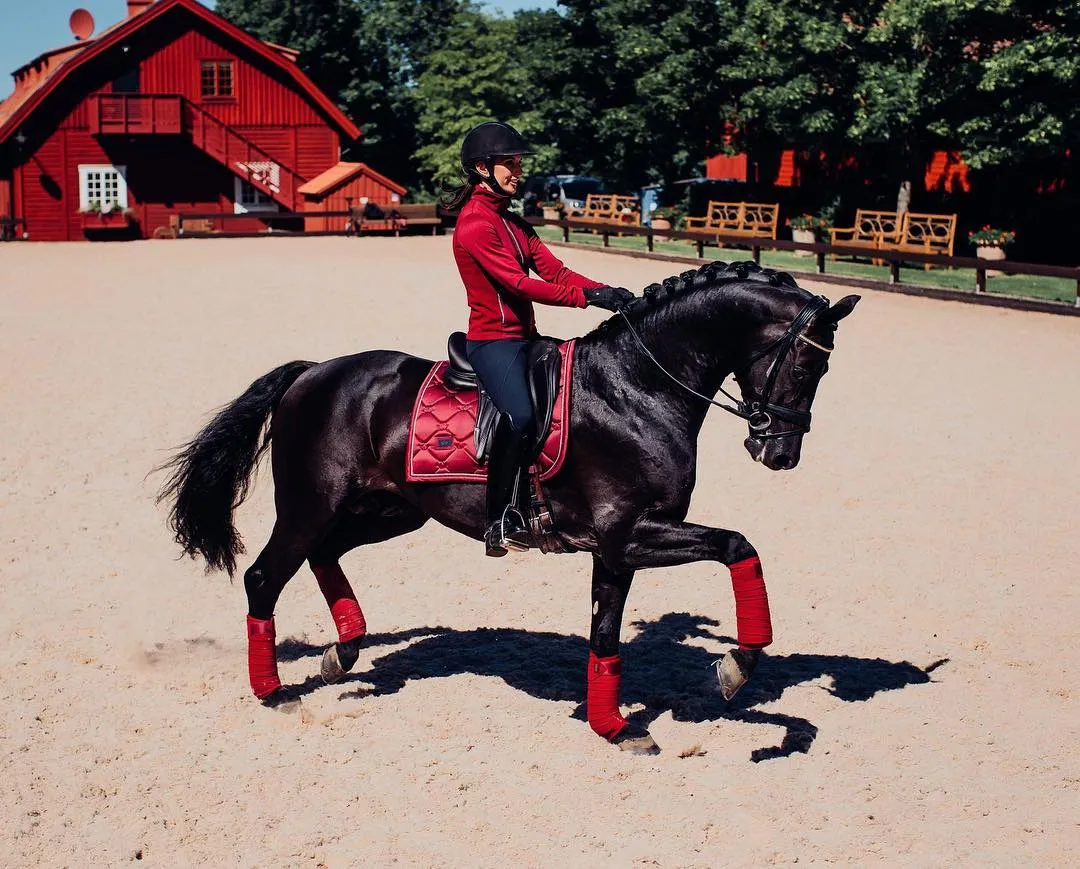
(29, 27)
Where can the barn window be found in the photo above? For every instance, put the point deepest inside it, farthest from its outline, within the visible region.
(217, 79)
(100, 186)
(250, 198)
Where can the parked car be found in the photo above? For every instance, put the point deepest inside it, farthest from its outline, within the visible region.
(570, 190)
(693, 194)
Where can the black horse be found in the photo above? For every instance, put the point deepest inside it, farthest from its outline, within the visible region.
(642, 383)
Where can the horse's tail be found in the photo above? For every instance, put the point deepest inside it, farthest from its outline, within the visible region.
(211, 475)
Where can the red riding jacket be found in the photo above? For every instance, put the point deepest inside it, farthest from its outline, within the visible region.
(494, 251)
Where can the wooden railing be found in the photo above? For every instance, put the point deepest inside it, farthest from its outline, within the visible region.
(136, 114)
(163, 114)
(241, 155)
(894, 258)
(9, 228)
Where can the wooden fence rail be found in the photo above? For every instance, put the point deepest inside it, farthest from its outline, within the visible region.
(821, 251)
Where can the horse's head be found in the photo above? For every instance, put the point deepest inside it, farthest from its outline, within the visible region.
(780, 375)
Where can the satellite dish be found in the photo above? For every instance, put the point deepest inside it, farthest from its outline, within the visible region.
(81, 23)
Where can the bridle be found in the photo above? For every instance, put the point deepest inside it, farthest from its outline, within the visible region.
(759, 414)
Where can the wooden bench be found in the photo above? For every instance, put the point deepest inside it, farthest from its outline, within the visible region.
(911, 231)
(927, 233)
(710, 220)
(416, 214)
(608, 208)
(396, 217)
(872, 229)
(745, 219)
(190, 225)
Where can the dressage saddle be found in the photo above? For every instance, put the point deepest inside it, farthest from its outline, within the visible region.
(544, 365)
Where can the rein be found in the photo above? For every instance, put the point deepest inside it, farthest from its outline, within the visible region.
(758, 414)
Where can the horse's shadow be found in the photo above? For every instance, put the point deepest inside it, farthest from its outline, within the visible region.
(662, 672)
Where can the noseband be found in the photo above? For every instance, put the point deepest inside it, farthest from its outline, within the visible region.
(759, 414)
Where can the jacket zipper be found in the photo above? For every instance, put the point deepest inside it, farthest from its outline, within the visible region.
(521, 259)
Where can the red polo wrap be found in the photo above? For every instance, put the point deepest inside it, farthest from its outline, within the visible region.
(751, 604)
(262, 657)
(602, 704)
(344, 607)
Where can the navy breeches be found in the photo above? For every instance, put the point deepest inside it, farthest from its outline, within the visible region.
(501, 367)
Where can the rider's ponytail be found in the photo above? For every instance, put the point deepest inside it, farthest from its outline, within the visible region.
(455, 196)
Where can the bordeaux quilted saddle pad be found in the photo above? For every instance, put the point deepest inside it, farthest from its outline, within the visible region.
(441, 448)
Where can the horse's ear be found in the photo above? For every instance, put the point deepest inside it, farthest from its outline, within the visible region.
(841, 309)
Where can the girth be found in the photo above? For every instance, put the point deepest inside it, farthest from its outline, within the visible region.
(544, 370)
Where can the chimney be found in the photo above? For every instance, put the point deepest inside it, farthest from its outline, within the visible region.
(137, 6)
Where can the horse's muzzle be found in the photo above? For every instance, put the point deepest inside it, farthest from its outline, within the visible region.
(779, 454)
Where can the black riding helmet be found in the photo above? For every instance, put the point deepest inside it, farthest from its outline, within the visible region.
(484, 143)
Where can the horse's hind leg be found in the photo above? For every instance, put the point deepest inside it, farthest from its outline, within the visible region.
(353, 530)
(289, 544)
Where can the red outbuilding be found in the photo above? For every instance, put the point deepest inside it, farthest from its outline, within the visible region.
(173, 109)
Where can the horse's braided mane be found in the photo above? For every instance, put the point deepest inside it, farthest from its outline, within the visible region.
(713, 274)
(656, 298)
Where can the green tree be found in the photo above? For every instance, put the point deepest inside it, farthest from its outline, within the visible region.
(648, 71)
(473, 77)
(366, 54)
(1028, 86)
(892, 80)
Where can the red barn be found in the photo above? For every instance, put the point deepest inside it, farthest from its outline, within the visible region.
(173, 109)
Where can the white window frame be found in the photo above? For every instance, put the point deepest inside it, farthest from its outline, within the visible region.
(260, 201)
(86, 170)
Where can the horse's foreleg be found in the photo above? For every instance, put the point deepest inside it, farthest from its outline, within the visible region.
(609, 591)
(655, 543)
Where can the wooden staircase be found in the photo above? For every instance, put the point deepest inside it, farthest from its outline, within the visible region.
(241, 156)
(171, 114)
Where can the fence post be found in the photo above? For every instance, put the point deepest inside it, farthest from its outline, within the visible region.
(980, 279)
(894, 271)
(821, 262)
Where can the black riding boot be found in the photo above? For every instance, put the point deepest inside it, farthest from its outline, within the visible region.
(506, 528)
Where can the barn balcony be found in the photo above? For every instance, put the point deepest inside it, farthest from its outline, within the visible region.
(136, 114)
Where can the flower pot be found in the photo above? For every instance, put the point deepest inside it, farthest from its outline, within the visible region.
(990, 252)
(101, 220)
(803, 236)
(660, 223)
(552, 214)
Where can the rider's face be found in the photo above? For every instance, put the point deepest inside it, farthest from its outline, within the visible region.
(507, 172)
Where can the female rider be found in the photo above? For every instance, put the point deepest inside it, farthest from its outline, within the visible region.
(494, 251)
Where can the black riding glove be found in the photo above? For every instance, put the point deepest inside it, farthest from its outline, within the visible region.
(609, 298)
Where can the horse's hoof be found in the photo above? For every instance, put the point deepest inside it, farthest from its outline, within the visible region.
(636, 741)
(331, 670)
(282, 701)
(735, 669)
(339, 659)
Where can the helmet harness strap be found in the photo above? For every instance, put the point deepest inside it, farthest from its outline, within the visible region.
(492, 182)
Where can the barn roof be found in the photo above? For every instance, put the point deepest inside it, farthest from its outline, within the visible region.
(55, 66)
(342, 173)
